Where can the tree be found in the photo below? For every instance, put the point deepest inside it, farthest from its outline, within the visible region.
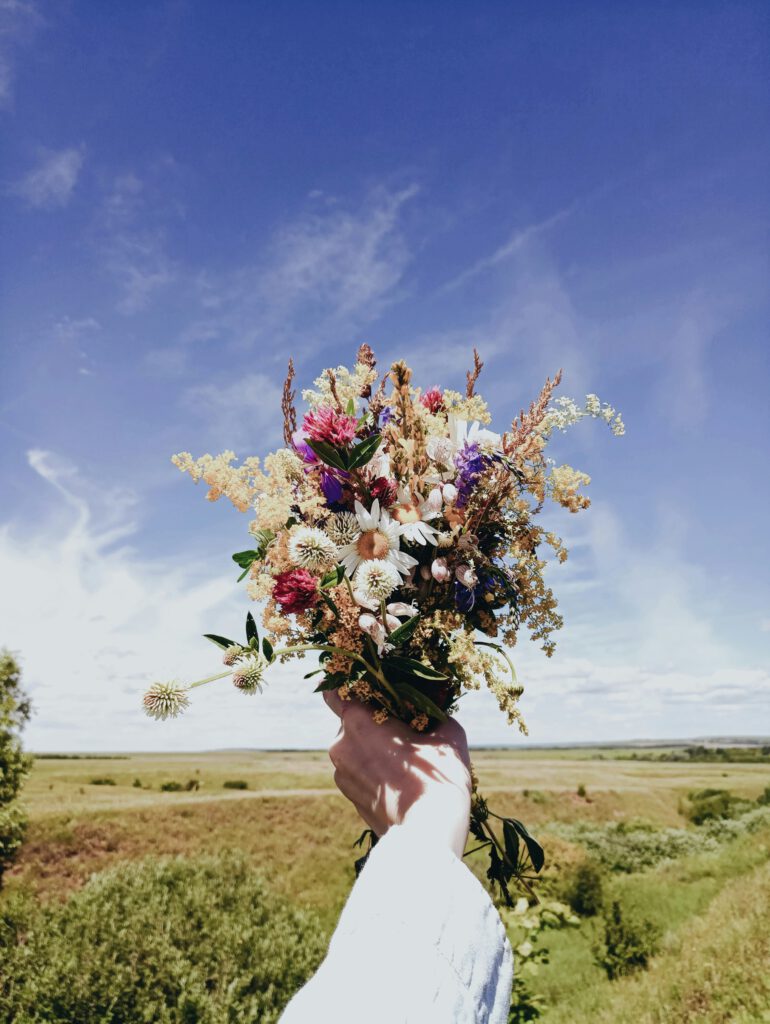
(15, 710)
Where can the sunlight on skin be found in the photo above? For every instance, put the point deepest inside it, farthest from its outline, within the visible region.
(395, 776)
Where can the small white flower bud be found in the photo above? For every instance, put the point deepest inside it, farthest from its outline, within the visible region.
(440, 570)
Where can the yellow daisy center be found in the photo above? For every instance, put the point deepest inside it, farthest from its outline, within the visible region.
(373, 544)
(407, 513)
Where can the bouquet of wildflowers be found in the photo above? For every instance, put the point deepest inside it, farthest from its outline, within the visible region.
(396, 534)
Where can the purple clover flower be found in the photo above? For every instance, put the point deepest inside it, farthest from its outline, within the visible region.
(470, 464)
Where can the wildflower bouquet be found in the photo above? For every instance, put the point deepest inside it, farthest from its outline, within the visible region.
(396, 535)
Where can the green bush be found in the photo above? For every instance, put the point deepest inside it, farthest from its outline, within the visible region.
(710, 805)
(103, 780)
(581, 790)
(169, 941)
(583, 888)
(236, 784)
(171, 787)
(629, 942)
(15, 710)
(137, 783)
(764, 798)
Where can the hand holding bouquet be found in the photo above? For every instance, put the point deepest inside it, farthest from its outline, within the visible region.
(397, 535)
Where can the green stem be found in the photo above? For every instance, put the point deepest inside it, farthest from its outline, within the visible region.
(501, 651)
(209, 679)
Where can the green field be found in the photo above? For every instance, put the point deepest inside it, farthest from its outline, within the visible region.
(711, 905)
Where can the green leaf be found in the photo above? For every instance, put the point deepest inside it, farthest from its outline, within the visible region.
(404, 631)
(412, 667)
(534, 849)
(511, 837)
(220, 641)
(243, 575)
(309, 675)
(364, 452)
(327, 684)
(245, 558)
(351, 407)
(332, 578)
(251, 628)
(329, 454)
(421, 701)
(332, 605)
(267, 650)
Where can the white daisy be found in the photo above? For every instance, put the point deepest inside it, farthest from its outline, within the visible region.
(379, 537)
(413, 513)
(311, 548)
(461, 432)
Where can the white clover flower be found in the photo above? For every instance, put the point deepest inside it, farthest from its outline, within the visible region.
(445, 539)
(311, 548)
(248, 676)
(165, 700)
(343, 528)
(232, 654)
(377, 579)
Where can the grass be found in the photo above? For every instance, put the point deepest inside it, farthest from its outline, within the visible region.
(295, 828)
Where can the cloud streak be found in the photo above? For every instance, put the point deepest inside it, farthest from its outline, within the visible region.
(51, 183)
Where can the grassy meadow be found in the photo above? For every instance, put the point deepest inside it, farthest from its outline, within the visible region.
(710, 903)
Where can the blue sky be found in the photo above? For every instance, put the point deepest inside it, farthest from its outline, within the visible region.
(192, 191)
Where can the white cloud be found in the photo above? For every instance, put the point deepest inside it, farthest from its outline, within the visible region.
(94, 623)
(19, 19)
(52, 182)
(319, 279)
(517, 242)
(239, 411)
(133, 253)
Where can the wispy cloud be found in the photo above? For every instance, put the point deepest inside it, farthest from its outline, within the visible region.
(94, 623)
(516, 243)
(238, 412)
(19, 20)
(321, 277)
(51, 183)
(132, 243)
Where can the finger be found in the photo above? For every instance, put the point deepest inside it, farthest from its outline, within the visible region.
(335, 702)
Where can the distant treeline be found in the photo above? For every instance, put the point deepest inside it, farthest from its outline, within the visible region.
(750, 755)
(81, 757)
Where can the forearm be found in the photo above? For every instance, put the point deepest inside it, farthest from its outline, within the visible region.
(418, 941)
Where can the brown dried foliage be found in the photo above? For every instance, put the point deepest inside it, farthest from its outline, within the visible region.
(287, 406)
(333, 389)
(366, 357)
(473, 375)
(526, 422)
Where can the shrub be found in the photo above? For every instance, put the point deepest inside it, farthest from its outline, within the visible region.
(581, 790)
(171, 787)
(137, 783)
(710, 805)
(228, 951)
(629, 942)
(235, 784)
(103, 780)
(764, 798)
(15, 710)
(583, 888)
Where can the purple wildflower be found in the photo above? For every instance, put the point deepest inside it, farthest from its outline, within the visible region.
(470, 465)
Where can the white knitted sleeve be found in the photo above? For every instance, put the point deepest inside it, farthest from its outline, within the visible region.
(418, 942)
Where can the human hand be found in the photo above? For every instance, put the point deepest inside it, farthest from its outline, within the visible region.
(396, 776)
